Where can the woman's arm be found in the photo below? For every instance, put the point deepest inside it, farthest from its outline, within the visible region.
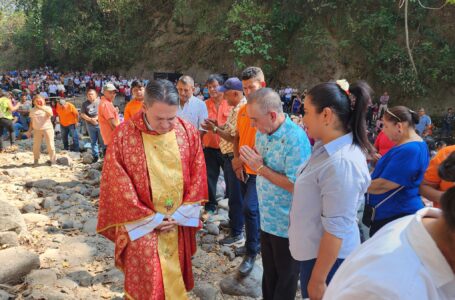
(13, 107)
(381, 186)
(430, 191)
(327, 255)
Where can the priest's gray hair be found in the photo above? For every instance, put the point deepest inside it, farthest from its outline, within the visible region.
(161, 90)
(267, 99)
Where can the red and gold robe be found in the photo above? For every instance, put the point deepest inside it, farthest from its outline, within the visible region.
(126, 196)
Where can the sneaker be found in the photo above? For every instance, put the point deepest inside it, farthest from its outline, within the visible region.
(238, 240)
(247, 265)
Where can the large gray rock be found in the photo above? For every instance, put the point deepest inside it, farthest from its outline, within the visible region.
(205, 291)
(208, 239)
(64, 161)
(224, 204)
(87, 158)
(48, 202)
(46, 277)
(95, 193)
(76, 197)
(90, 226)
(9, 239)
(16, 263)
(94, 175)
(6, 296)
(42, 184)
(11, 218)
(249, 286)
(213, 229)
(81, 277)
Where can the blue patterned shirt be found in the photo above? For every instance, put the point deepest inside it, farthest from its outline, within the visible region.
(283, 152)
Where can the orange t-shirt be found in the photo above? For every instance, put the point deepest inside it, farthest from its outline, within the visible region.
(247, 133)
(132, 108)
(210, 139)
(67, 114)
(432, 176)
(106, 111)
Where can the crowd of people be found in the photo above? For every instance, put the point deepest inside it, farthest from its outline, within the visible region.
(298, 171)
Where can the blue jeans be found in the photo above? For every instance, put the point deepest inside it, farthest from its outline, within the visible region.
(95, 139)
(17, 129)
(24, 120)
(234, 193)
(251, 213)
(306, 268)
(67, 130)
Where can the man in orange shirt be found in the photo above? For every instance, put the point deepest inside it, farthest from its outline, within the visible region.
(69, 117)
(252, 80)
(218, 111)
(432, 186)
(107, 114)
(135, 105)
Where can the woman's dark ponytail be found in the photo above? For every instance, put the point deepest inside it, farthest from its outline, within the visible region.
(447, 173)
(361, 94)
(415, 117)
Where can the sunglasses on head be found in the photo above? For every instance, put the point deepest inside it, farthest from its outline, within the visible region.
(393, 115)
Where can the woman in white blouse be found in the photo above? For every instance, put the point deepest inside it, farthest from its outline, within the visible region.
(330, 186)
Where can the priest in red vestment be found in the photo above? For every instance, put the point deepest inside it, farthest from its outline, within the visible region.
(152, 187)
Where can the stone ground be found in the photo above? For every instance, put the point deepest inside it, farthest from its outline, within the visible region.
(49, 248)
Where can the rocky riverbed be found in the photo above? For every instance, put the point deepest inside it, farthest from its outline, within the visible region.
(49, 248)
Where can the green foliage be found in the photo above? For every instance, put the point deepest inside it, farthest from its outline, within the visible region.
(253, 33)
(364, 36)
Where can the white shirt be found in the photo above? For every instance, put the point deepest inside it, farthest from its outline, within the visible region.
(328, 191)
(52, 89)
(401, 262)
(193, 111)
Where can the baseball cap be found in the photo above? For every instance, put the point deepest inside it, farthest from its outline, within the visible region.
(232, 84)
(109, 87)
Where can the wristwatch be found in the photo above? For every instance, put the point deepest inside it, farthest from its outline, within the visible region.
(215, 129)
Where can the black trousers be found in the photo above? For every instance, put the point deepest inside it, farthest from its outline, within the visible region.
(8, 124)
(281, 271)
(214, 160)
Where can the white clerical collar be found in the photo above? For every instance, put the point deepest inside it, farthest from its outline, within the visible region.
(426, 248)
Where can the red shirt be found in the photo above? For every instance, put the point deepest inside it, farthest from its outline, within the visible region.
(383, 143)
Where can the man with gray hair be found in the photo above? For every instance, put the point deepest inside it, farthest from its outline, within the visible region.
(152, 187)
(280, 148)
(190, 108)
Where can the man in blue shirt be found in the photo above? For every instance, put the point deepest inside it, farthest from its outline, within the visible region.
(281, 147)
(424, 123)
